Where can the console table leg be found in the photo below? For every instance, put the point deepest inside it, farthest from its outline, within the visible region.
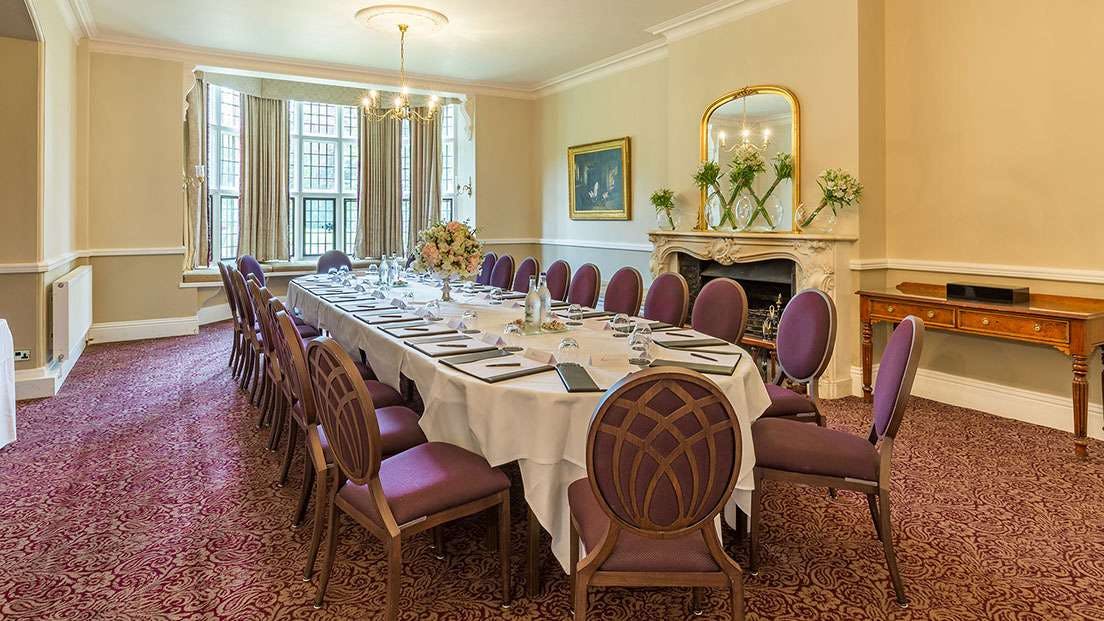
(867, 360)
(1080, 404)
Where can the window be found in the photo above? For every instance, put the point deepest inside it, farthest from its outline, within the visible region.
(404, 179)
(223, 166)
(324, 160)
(448, 162)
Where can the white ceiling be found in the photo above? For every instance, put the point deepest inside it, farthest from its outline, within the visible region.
(518, 43)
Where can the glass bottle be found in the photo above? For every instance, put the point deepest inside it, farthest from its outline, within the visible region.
(545, 299)
(532, 308)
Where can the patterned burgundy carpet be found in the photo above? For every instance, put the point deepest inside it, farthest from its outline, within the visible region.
(143, 491)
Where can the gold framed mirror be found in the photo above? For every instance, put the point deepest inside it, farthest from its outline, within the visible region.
(767, 117)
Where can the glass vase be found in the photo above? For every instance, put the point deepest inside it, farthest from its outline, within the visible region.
(743, 209)
(822, 222)
(667, 220)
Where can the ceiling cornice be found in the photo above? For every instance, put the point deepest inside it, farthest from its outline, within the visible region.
(636, 57)
(710, 16)
(84, 18)
(276, 64)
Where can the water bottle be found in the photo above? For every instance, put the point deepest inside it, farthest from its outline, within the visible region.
(532, 308)
(545, 299)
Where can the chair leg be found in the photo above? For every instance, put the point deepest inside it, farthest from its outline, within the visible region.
(394, 578)
(331, 551)
(289, 451)
(741, 525)
(581, 597)
(321, 516)
(532, 560)
(233, 349)
(504, 547)
(736, 588)
(573, 568)
(247, 358)
(887, 544)
(872, 502)
(438, 543)
(696, 597)
(279, 418)
(756, 518)
(304, 496)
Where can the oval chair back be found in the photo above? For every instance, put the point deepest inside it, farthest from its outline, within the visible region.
(228, 289)
(333, 259)
(345, 410)
(261, 296)
(668, 299)
(291, 352)
(484, 277)
(896, 371)
(585, 286)
(559, 273)
(503, 273)
(248, 265)
(806, 335)
(624, 292)
(721, 310)
(528, 268)
(663, 452)
(245, 304)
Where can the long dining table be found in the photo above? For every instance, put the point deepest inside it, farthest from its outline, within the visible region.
(532, 420)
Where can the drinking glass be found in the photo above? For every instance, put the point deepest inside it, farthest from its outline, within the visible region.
(575, 314)
(470, 318)
(433, 310)
(569, 352)
(621, 325)
(641, 348)
(332, 273)
(511, 337)
(374, 273)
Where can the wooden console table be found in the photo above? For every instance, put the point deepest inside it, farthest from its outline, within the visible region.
(1073, 326)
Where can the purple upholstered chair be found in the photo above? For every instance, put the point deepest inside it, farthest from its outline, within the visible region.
(238, 343)
(484, 277)
(248, 266)
(559, 273)
(411, 492)
(624, 292)
(255, 349)
(652, 524)
(528, 268)
(333, 259)
(585, 286)
(787, 450)
(503, 273)
(804, 345)
(721, 310)
(668, 299)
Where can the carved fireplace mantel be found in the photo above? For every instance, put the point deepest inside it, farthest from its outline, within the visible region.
(818, 257)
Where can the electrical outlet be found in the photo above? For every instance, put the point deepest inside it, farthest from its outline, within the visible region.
(22, 355)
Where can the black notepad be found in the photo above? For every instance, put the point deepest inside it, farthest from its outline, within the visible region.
(691, 343)
(700, 367)
(576, 378)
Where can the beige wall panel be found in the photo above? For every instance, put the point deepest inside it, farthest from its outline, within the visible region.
(504, 168)
(18, 158)
(135, 153)
(20, 301)
(131, 288)
(59, 190)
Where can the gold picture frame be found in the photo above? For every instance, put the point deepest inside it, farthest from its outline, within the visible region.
(599, 180)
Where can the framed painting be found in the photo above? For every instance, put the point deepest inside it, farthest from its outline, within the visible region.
(600, 180)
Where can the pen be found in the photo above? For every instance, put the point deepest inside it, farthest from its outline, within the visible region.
(697, 355)
(505, 364)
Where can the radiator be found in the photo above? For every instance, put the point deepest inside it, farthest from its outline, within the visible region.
(72, 308)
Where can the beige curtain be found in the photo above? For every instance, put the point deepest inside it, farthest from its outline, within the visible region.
(263, 207)
(379, 229)
(425, 175)
(195, 194)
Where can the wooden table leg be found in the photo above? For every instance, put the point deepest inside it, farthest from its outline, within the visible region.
(867, 360)
(1080, 404)
(533, 560)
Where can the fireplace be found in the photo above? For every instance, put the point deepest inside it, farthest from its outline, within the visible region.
(769, 285)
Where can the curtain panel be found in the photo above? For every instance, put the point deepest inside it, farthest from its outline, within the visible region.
(379, 201)
(425, 175)
(196, 241)
(263, 207)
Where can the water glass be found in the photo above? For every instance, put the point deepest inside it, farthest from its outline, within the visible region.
(621, 325)
(332, 274)
(641, 348)
(569, 352)
(575, 314)
(470, 319)
(433, 310)
(511, 337)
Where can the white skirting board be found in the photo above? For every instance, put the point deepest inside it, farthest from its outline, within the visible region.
(115, 331)
(1029, 406)
(46, 381)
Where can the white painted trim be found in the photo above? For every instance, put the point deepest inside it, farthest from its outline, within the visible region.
(276, 64)
(1061, 274)
(213, 314)
(133, 252)
(1029, 406)
(115, 331)
(56, 262)
(38, 267)
(43, 382)
(72, 23)
(637, 57)
(84, 18)
(600, 244)
(710, 16)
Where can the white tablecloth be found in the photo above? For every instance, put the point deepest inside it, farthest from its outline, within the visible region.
(531, 420)
(7, 386)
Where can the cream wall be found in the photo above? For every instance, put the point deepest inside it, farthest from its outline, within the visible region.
(19, 132)
(59, 132)
(504, 168)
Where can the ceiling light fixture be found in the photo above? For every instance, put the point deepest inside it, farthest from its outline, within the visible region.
(389, 16)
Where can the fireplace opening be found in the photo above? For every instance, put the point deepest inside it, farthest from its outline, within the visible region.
(769, 285)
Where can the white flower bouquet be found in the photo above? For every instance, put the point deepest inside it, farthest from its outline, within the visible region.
(448, 249)
(839, 189)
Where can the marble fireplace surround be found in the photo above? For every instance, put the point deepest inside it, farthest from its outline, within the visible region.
(821, 261)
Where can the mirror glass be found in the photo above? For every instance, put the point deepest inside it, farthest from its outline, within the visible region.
(763, 118)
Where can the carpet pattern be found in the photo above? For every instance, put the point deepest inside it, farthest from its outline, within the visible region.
(143, 491)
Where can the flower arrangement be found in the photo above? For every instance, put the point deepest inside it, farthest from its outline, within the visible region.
(747, 164)
(708, 178)
(839, 189)
(448, 249)
(663, 200)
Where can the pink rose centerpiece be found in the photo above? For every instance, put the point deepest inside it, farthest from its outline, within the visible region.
(448, 249)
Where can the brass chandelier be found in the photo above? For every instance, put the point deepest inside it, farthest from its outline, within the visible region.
(400, 108)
